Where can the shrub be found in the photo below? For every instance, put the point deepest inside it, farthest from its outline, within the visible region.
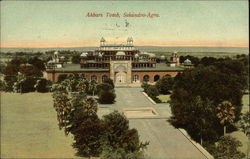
(119, 141)
(107, 97)
(153, 92)
(42, 85)
(61, 78)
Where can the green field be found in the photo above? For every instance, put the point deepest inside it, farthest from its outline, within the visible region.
(29, 128)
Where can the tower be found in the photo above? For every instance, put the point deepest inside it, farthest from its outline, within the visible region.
(102, 41)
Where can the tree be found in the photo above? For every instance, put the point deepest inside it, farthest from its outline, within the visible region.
(119, 141)
(75, 59)
(104, 87)
(227, 148)
(153, 92)
(225, 113)
(210, 83)
(92, 87)
(43, 85)
(106, 96)
(30, 70)
(62, 77)
(87, 137)
(165, 84)
(38, 63)
(109, 81)
(244, 123)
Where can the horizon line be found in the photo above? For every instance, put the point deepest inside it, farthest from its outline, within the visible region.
(247, 46)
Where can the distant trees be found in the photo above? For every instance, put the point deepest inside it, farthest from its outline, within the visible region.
(75, 59)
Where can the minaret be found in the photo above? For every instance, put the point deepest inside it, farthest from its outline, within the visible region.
(102, 41)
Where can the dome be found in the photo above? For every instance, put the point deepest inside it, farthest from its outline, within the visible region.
(187, 61)
(55, 53)
(163, 57)
(84, 54)
(120, 53)
(151, 55)
(102, 40)
(136, 55)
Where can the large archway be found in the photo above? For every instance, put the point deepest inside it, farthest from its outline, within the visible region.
(146, 78)
(120, 78)
(156, 78)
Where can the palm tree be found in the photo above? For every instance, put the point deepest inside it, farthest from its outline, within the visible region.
(225, 112)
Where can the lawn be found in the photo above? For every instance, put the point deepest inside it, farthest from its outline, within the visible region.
(164, 98)
(29, 128)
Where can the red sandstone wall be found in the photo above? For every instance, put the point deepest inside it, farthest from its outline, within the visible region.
(152, 74)
(100, 74)
(87, 75)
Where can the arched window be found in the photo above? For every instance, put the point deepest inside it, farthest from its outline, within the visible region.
(104, 77)
(156, 78)
(93, 77)
(146, 78)
(135, 78)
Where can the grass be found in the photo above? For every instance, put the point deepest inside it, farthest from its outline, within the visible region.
(29, 128)
(164, 98)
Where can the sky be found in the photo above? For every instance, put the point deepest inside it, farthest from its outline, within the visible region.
(41, 24)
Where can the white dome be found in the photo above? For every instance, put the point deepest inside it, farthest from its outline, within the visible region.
(136, 55)
(120, 53)
(163, 57)
(55, 53)
(84, 54)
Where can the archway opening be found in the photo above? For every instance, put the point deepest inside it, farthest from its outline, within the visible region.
(146, 78)
(156, 78)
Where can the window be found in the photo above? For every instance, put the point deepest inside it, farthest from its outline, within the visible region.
(156, 78)
(146, 78)
(94, 77)
(104, 77)
(135, 78)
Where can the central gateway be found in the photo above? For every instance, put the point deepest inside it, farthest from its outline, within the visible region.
(120, 72)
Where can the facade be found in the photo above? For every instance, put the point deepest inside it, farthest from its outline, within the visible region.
(123, 63)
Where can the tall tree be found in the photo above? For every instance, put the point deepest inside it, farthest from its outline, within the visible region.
(225, 113)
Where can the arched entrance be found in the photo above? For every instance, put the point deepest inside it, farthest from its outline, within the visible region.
(156, 78)
(146, 78)
(120, 78)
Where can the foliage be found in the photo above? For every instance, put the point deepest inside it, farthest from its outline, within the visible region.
(62, 77)
(165, 84)
(2, 85)
(75, 59)
(104, 87)
(225, 113)
(38, 63)
(109, 81)
(106, 96)
(87, 137)
(211, 84)
(226, 148)
(244, 122)
(153, 92)
(119, 141)
(43, 85)
(145, 86)
(30, 70)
